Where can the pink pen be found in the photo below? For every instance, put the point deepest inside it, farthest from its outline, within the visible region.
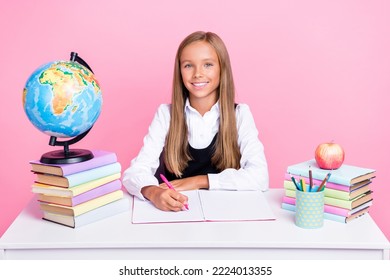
(171, 187)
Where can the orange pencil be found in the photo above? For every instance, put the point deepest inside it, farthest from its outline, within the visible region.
(323, 183)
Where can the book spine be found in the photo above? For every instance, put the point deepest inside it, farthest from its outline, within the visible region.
(327, 216)
(327, 208)
(97, 202)
(93, 174)
(105, 211)
(101, 158)
(327, 192)
(327, 200)
(319, 176)
(77, 190)
(338, 202)
(99, 191)
(329, 185)
(84, 207)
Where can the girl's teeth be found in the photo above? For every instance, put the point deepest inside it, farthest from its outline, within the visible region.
(199, 84)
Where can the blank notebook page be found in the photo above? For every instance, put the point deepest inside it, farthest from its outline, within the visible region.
(235, 206)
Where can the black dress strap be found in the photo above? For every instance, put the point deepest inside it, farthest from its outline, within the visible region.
(199, 165)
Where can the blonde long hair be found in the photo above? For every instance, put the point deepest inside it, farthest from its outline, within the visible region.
(226, 150)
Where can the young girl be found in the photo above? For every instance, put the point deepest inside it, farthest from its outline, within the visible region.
(202, 140)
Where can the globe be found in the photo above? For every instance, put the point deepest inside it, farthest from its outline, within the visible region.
(63, 99)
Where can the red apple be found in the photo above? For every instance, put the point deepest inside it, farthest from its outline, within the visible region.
(329, 155)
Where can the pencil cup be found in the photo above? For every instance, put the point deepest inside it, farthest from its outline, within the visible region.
(309, 211)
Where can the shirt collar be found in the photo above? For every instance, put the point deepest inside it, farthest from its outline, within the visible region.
(188, 107)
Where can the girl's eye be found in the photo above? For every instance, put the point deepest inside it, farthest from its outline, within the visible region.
(187, 66)
(207, 65)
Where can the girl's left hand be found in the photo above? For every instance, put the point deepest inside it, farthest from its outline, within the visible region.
(191, 183)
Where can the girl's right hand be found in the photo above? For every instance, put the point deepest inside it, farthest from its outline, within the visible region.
(165, 199)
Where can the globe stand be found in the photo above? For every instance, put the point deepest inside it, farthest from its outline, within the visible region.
(68, 155)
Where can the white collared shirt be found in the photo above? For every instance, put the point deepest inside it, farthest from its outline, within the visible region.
(253, 174)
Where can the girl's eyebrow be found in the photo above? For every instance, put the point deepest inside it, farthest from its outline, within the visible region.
(204, 59)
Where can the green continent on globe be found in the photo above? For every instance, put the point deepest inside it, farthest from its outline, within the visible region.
(66, 84)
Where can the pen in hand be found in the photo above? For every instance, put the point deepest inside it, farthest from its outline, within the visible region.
(171, 187)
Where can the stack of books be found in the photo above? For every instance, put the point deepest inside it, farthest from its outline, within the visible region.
(80, 193)
(347, 194)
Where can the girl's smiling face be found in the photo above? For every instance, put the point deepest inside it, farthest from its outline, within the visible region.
(200, 71)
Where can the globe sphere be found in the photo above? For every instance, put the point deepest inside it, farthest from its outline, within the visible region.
(62, 99)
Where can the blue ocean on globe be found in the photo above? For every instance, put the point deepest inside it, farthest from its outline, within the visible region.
(62, 99)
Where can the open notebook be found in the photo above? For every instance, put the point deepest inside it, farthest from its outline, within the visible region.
(208, 206)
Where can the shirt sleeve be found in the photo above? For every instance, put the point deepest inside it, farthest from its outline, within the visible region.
(143, 167)
(253, 174)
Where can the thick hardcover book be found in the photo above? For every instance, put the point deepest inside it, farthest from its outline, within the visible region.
(208, 206)
(347, 204)
(332, 209)
(83, 207)
(334, 193)
(100, 213)
(72, 180)
(345, 175)
(77, 190)
(333, 217)
(100, 158)
(81, 198)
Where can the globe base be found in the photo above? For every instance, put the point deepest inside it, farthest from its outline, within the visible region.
(72, 156)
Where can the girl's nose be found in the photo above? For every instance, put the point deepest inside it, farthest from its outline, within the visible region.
(198, 73)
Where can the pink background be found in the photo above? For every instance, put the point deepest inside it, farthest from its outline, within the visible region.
(311, 71)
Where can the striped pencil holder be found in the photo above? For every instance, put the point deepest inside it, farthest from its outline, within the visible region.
(309, 209)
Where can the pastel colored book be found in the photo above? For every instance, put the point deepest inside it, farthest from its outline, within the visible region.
(72, 180)
(208, 206)
(333, 217)
(347, 219)
(83, 207)
(100, 158)
(100, 213)
(332, 209)
(345, 175)
(81, 198)
(334, 193)
(77, 190)
(347, 204)
(330, 185)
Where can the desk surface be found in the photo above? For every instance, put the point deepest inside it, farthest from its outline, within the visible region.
(30, 237)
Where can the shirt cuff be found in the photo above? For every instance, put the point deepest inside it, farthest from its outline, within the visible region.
(135, 184)
(213, 182)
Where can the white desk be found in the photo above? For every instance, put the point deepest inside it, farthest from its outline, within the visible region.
(29, 237)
